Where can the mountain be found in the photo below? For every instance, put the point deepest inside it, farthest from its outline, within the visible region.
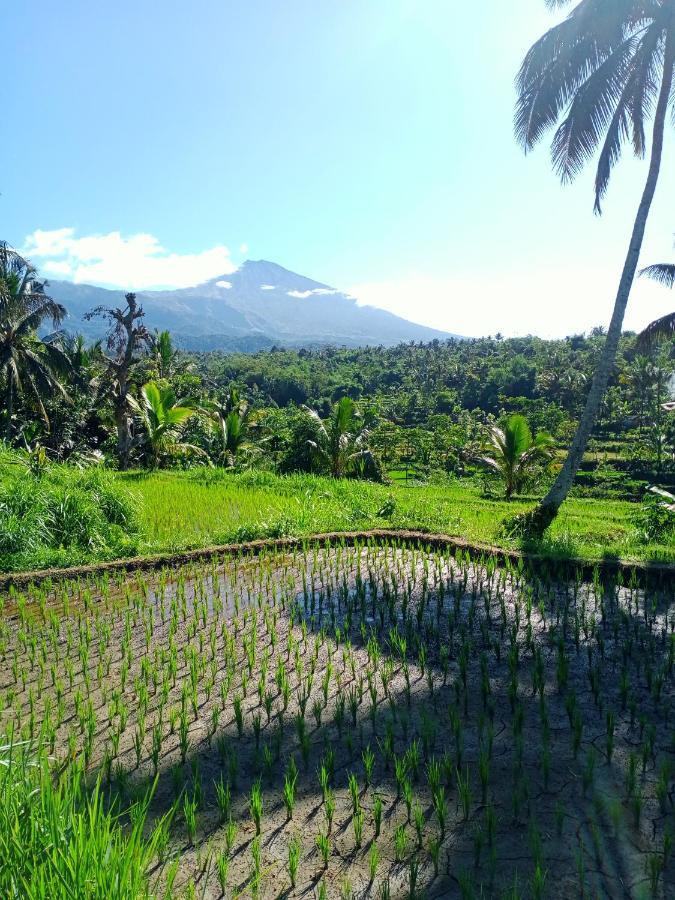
(258, 306)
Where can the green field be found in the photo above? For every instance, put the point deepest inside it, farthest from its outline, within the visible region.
(67, 516)
(186, 510)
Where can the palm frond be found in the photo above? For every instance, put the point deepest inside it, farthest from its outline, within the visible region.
(661, 330)
(644, 86)
(618, 133)
(590, 112)
(598, 72)
(663, 273)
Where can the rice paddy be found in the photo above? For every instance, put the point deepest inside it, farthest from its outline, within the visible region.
(376, 720)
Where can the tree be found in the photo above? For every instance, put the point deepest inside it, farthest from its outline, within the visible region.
(167, 357)
(604, 70)
(514, 454)
(228, 422)
(126, 340)
(340, 440)
(162, 417)
(28, 365)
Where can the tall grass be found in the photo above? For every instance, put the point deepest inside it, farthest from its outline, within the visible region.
(68, 516)
(62, 515)
(57, 839)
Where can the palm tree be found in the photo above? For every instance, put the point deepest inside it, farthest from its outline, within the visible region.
(604, 70)
(27, 364)
(166, 355)
(514, 454)
(228, 421)
(162, 417)
(341, 439)
(664, 328)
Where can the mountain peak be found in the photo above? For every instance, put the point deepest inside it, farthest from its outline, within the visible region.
(258, 305)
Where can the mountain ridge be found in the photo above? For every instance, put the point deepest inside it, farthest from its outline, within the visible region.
(259, 305)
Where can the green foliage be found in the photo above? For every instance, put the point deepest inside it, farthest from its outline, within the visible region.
(655, 520)
(340, 442)
(162, 416)
(514, 454)
(63, 514)
(53, 837)
(28, 365)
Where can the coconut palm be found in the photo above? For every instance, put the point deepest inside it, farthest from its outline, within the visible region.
(229, 426)
(605, 71)
(514, 454)
(162, 417)
(28, 365)
(167, 357)
(664, 328)
(340, 440)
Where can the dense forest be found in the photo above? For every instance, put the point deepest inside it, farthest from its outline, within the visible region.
(424, 405)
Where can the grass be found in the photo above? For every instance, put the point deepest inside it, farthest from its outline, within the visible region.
(66, 516)
(62, 515)
(54, 836)
(181, 510)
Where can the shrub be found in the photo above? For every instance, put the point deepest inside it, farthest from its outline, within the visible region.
(63, 516)
(655, 520)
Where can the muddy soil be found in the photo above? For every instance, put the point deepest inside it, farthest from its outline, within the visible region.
(520, 729)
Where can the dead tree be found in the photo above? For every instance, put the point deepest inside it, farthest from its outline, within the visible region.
(126, 342)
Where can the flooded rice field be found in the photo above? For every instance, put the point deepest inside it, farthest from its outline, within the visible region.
(363, 721)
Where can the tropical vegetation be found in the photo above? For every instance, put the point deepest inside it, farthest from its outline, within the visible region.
(603, 73)
(457, 416)
(514, 454)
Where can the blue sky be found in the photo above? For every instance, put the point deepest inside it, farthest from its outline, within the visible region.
(365, 143)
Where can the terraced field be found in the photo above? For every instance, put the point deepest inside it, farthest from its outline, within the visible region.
(367, 721)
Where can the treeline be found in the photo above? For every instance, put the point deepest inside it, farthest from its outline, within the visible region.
(412, 383)
(134, 399)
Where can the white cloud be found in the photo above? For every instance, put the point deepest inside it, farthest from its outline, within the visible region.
(59, 268)
(546, 302)
(243, 248)
(267, 287)
(134, 262)
(224, 284)
(302, 295)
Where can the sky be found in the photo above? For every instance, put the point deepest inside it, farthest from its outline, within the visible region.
(367, 144)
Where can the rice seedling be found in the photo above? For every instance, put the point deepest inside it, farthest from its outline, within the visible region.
(224, 663)
(190, 816)
(255, 804)
(400, 843)
(293, 859)
(223, 866)
(323, 846)
(377, 814)
(373, 862)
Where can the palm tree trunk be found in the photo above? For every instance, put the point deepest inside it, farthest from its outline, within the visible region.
(547, 510)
